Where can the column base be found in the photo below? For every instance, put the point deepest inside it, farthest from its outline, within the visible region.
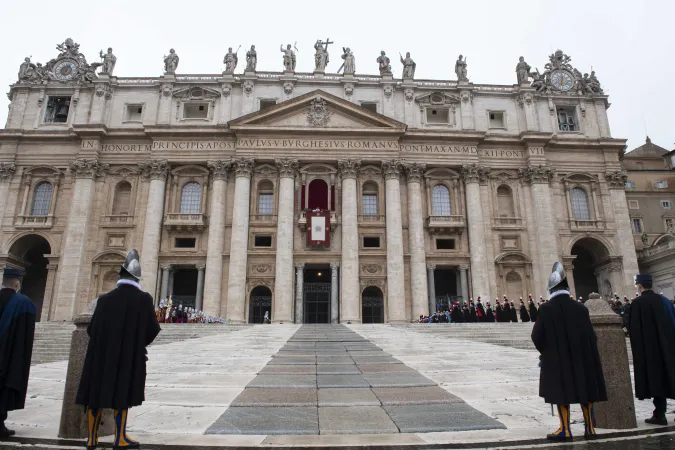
(284, 322)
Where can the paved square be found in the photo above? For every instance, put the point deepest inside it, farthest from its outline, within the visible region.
(443, 417)
(276, 397)
(347, 397)
(355, 419)
(267, 421)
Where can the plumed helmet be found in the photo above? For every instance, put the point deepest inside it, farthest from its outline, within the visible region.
(132, 264)
(557, 277)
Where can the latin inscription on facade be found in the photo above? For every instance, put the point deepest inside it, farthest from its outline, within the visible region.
(193, 145)
(471, 150)
(326, 144)
(126, 148)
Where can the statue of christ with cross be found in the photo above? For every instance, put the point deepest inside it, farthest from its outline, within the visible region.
(321, 55)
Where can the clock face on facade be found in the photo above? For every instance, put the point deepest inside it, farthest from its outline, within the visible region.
(65, 70)
(562, 80)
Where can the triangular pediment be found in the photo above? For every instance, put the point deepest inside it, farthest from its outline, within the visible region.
(317, 110)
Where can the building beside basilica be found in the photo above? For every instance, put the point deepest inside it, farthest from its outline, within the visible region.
(317, 197)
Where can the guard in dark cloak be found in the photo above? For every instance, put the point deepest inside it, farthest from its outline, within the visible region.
(652, 339)
(113, 377)
(480, 312)
(17, 327)
(466, 313)
(571, 371)
(499, 311)
(472, 312)
(514, 313)
(506, 315)
(524, 315)
(489, 314)
(456, 315)
(533, 310)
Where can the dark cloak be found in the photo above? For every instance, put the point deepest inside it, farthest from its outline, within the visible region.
(514, 314)
(17, 328)
(571, 371)
(506, 316)
(467, 315)
(472, 313)
(457, 315)
(480, 312)
(652, 340)
(524, 315)
(499, 312)
(489, 315)
(533, 312)
(123, 324)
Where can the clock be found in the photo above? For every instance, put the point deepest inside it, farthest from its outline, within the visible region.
(65, 69)
(562, 80)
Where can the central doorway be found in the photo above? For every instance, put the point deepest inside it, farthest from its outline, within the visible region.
(317, 289)
(184, 287)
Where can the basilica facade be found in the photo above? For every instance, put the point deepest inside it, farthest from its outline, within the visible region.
(315, 197)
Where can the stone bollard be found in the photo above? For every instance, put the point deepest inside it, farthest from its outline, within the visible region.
(73, 418)
(618, 412)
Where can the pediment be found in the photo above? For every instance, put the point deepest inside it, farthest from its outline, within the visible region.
(195, 93)
(317, 110)
(437, 98)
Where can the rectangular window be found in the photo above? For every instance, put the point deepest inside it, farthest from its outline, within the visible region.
(266, 103)
(134, 113)
(371, 242)
(195, 110)
(57, 110)
(633, 204)
(370, 106)
(666, 204)
(637, 226)
(438, 116)
(445, 244)
(262, 241)
(629, 184)
(370, 204)
(265, 203)
(661, 185)
(185, 242)
(496, 119)
(566, 120)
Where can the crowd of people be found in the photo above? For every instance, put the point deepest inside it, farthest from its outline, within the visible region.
(167, 312)
(504, 311)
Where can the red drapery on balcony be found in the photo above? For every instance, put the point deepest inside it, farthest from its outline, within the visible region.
(318, 195)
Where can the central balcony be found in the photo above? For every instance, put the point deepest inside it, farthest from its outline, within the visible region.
(182, 222)
(446, 224)
(34, 222)
(302, 220)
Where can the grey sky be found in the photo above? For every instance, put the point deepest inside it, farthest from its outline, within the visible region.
(628, 43)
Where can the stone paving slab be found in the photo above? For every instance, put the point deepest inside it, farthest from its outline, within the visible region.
(337, 369)
(385, 368)
(402, 379)
(277, 397)
(283, 381)
(304, 420)
(441, 417)
(347, 397)
(334, 360)
(341, 381)
(355, 419)
(425, 395)
(288, 370)
(293, 360)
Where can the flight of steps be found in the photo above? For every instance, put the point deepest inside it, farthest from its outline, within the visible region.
(52, 339)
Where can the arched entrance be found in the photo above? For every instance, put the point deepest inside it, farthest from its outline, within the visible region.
(590, 254)
(260, 303)
(372, 304)
(28, 252)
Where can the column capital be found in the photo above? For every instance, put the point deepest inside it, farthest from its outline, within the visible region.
(243, 167)
(166, 267)
(7, 171)
(287, 167)
(219, 168)
(617, 179)
(334, 265)
(536, 174)
(349, 168)
(52, 266)
(415, 172)
(431, 266)
(391, 169)
(88, 168)
(299, 265)
(201, 267)
(154, 169)
(463, 267)
(474, 173)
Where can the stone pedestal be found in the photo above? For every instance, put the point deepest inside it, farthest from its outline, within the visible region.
(618, 412)
(73, 418)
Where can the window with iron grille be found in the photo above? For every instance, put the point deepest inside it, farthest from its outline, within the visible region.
(440, 201)
(580, 204)
(41, 199)
(265, 203)
(191, 198)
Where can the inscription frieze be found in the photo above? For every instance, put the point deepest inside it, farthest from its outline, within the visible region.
(126, 148)
(318, 144)
(193, 145)
(472, 150)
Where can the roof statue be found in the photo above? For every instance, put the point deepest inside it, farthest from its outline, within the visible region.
(321, 55)
(251, 59)
(349, 63)
(231, 60)
(70, 66)
(171, 62)
(383, 63)
(289, 58)
(561, 77)
(460, 69)
(522, 70)
(409, 66)
(108, 61)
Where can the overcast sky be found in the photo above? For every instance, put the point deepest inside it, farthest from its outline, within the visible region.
(629, 44)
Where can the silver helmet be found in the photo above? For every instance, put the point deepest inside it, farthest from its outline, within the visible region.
(557, 276)
(132, 264)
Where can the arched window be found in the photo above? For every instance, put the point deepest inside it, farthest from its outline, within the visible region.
(440, 201)
(191, 198)
(580, 204)
(122, 199)
(505, 202)
(42, 197)
(265, 198)
(369, 199)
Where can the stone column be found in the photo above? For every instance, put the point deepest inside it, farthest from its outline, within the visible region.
(299, 292)
(49, 293)
(539, 177)
(7, 171)
(395, 269)
(349, 282)
(213, 276)
(334, 310)
(73, 251)
(283, 284)
(236, 288)
(156, 171)
(431, 280)
(465, 284)
(165, 282)
(418, 257)
(624, 233)
(200, 288)
(472, 174)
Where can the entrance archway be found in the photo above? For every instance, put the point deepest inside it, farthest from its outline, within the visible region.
(28, 252)
(372, 304)
(589, 253)
(260, 302)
